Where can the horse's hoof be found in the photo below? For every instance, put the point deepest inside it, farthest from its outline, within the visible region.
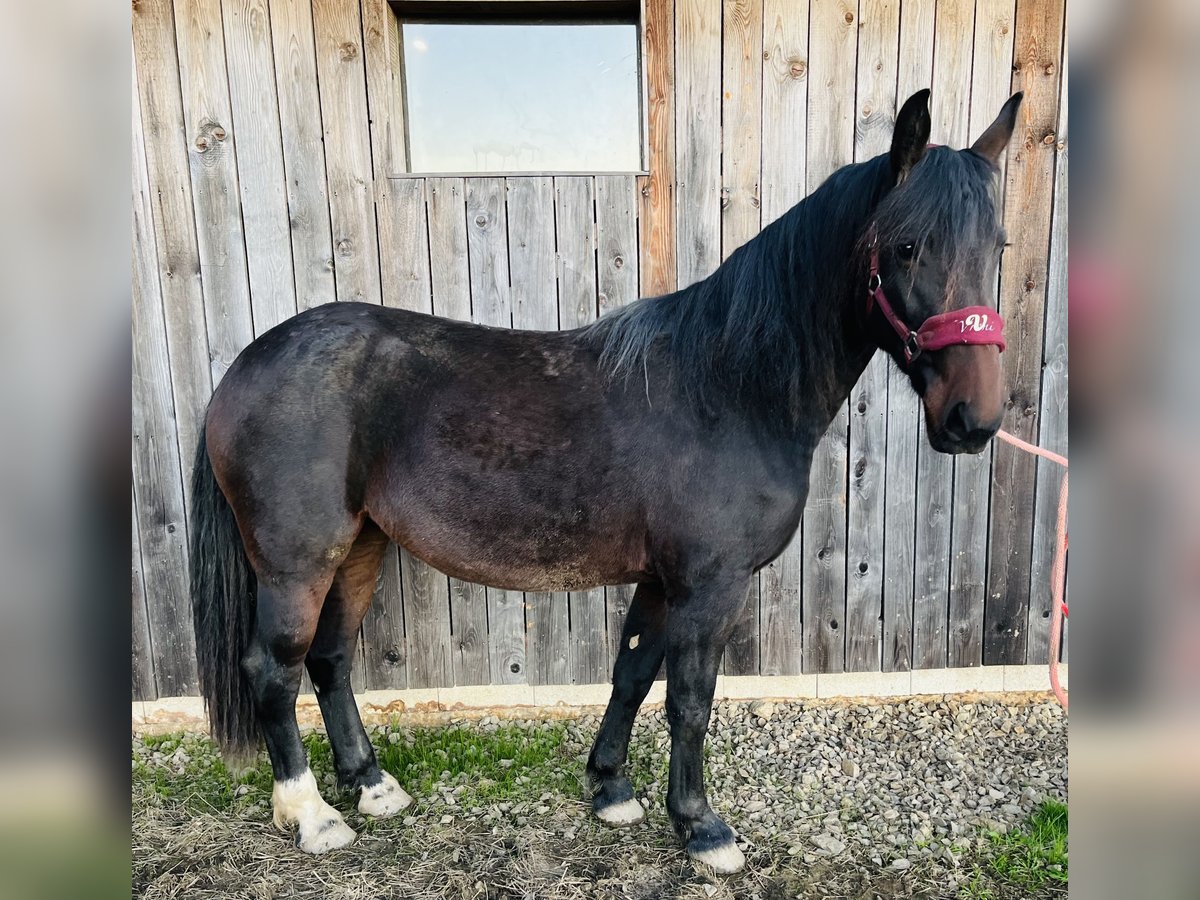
(622, 814)
(325, 835)
(383, 799)
(724, 859)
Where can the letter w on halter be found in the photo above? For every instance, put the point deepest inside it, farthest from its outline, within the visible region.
(969, 325)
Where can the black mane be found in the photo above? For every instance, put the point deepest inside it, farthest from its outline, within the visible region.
(771, 319)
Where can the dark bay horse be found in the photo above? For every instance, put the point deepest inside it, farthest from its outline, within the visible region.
(667, 445)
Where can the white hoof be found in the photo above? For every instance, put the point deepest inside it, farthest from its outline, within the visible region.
(623, 814)
(332, 834)
(724, 860)
(383, 799)
(319, 827)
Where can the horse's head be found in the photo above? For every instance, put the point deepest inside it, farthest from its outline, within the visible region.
(934, 247)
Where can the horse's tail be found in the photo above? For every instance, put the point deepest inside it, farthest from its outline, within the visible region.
(223, 601)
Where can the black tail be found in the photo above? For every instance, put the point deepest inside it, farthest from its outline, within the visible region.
(223, 592)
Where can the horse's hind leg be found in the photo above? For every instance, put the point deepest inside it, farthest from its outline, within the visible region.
(285, 622)
(641, 653)
(329, 661)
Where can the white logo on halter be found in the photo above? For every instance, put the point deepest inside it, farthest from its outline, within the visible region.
(977, 322)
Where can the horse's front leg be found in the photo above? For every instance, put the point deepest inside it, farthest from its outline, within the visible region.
(699, 623)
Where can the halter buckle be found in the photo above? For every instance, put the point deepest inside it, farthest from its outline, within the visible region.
(874, 283)
(912, 346)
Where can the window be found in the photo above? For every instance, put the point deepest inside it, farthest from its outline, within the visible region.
(511, 86)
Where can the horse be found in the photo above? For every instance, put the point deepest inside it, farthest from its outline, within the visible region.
(666, 445)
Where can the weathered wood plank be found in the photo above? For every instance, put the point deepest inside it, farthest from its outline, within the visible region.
(575, 231)
(452, 299)
(1052, 432)
(656, 249)
(381, 44)
(914, 72)
(879, 27)
(173, 224)
(741, 162)
(833, 36)
(491, 304)
(157, 474)
(384, 643)
(990, 77)
(935, 471)
(212, 159)
(617, 280)
(142, 661)
(261, 178)
(741, 122)
(531, 260)
(341, 79)
(784, 143)
(1038, 42)
(698, 144)
(303, 151)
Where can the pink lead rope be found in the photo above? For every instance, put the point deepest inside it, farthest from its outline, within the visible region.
(1058, 571)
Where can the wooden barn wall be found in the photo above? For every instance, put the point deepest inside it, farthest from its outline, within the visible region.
(267, 135)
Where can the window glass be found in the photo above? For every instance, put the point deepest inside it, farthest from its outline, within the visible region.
(522, 97)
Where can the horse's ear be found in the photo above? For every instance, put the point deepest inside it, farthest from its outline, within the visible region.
(911, 135)
(994, 141)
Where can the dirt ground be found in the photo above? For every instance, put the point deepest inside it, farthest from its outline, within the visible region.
(519, 829)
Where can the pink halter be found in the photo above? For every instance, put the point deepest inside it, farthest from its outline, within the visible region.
(969, 325)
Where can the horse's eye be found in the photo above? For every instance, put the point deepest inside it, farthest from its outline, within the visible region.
(905, 251)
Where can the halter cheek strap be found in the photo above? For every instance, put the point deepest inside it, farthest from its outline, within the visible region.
(969, 325)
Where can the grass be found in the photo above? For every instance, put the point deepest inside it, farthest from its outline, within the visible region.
(507, 763)
(1030, 858)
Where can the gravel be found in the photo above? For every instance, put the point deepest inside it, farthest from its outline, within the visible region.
(885, 797)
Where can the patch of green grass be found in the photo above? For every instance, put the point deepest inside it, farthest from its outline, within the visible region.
(509, 762)
(1030, 857)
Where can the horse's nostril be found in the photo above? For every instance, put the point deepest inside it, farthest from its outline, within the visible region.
(959, 422)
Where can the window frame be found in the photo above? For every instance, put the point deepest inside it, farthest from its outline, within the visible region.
(489, 12)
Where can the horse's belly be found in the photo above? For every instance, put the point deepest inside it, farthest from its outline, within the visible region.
(515, 554)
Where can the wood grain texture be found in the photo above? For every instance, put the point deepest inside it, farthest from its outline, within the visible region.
(157, 473)
(303, 151)
(833, 33)
(784, 140)
(698, 138)
(1029, 194)
(141, 651)
(212, 158)
(656, 248)
(784, 107)
(953, 49)
(1052, 431)
(172, 220)
(991, 73)
(879, 26)
(261, 178)
(341, 79)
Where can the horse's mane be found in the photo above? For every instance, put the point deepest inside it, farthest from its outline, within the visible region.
(768, 321)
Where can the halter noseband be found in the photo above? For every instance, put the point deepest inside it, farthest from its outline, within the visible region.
(969, 325)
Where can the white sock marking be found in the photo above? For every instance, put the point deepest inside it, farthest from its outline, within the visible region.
(298, 802)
